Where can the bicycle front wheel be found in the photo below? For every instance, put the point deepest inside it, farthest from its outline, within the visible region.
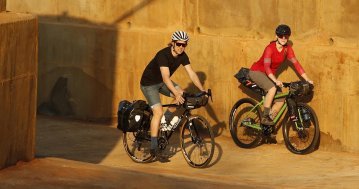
(243, 114)
(197, 142)
(137, 145)
(301, 137)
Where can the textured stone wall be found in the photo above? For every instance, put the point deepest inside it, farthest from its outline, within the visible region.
(100, 48)
(18, 89)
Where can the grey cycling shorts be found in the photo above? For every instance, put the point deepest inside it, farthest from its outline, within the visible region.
(152, 93)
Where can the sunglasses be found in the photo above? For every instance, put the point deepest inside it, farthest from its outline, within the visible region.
(181, 44)
(281, 36)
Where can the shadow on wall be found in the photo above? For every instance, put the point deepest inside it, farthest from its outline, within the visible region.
(219, 125)
(60, 100)
(328, 143)
(76, 95)
(77, 62)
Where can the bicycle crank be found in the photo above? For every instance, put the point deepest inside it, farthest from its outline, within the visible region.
(162, 143)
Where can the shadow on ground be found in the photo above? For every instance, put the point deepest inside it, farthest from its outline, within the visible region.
(88, 142)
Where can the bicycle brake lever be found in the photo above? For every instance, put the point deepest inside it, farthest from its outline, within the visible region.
(209, 93)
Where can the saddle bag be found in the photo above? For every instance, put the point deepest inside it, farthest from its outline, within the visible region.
(133, 116)
(243, 77)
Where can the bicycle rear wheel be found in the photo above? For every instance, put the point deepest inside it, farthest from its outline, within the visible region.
(137, 145)
(243, 112)
(303, 138)
(197, 142)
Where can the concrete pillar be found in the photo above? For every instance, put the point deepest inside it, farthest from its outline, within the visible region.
(18, 86)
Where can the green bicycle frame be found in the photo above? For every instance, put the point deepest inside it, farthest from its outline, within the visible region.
(275, 120)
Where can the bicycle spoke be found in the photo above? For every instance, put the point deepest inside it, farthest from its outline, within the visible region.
(244, 123)
(301, 137)
(137, 146)
(197, 143)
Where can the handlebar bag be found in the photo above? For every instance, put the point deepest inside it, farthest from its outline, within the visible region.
(300, 88)
(195, 102)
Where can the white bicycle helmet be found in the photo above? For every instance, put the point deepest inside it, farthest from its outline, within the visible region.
(180, 36)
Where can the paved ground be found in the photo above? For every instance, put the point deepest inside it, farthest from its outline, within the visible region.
(72, 154)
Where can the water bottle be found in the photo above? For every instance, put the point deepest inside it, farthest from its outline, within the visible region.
(305, 115)
(163, 125)
(174, 122)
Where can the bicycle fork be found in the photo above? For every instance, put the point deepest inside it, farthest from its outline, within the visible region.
(294, 114)
(194, 137)
(299, 118)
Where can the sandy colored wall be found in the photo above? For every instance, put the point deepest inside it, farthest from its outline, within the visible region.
(100, 49)
(2, 5)
(18, 75)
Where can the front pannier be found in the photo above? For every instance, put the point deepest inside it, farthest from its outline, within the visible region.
(133, 116)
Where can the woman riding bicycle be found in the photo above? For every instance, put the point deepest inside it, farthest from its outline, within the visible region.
(263, 71)
(156, 79)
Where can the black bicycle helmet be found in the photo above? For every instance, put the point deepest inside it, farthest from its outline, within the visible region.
(283, 30)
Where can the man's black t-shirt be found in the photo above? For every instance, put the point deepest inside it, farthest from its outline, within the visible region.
(164, 58)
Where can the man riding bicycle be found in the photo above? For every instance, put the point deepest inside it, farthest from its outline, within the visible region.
(263, 71)
(156, 79)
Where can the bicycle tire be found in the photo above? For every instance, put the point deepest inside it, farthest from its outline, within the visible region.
(244, 136)
(301, 141)
(137, 146)
(197, 142)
